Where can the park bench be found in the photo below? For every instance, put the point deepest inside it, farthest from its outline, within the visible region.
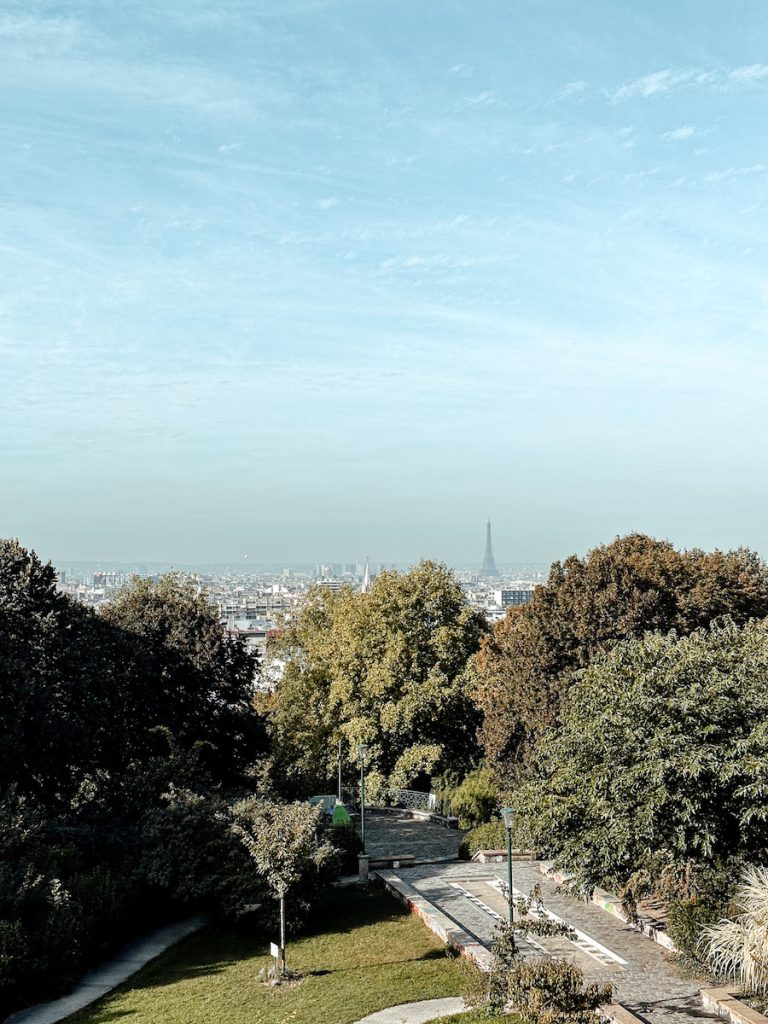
(402, 860)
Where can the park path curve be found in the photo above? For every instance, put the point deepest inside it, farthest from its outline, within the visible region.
(103, 979)
(417, 1013)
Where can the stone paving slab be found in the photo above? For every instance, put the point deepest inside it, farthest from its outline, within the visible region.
(417, 1013)
(453, 933)
(388, 835)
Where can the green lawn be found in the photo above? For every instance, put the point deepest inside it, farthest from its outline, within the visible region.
(362, 952)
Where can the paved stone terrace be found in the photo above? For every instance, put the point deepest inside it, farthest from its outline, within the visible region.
(648, 981)
(387, 835)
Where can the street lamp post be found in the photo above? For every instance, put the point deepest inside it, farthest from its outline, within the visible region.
(361, 749)
(508, 816)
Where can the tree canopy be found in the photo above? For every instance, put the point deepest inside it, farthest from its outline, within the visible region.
(103, 717)
(189, 679)
(386, 668)
(624, 589)
(659, 762)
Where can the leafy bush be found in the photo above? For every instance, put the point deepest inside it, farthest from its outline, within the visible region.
(475, 800)
(552, 991)
(542, 991)
(490, 836)
(686, 918)
(190, 854)
(348, 845)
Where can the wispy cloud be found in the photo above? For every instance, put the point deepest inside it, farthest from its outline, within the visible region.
(570, 91)
(656, 83)
(327, 203)
(462, 70)
(749, 73)
(482, 99)
(669, 80)
(679, 134)
(442, 261)
(734, 172)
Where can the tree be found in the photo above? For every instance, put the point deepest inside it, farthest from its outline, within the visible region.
(59, 708)
(624, 589)
(100, 715)
(284, 842)
(188, 678)
(386, 668)
(658, 767)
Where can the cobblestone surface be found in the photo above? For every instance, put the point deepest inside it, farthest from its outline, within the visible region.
(646, 981)
(387, 835)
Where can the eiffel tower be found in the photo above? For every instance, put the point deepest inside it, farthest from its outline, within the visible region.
(489, 564)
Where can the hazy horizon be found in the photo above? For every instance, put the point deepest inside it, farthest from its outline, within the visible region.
(301, 277)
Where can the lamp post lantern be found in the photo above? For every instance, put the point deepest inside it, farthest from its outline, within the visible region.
(508, 817)
(361, 749)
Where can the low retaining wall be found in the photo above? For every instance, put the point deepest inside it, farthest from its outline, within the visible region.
(447, 821)
(728, 1005)
(500, 856)
(618, 1014)
(613, 905)
(438, 922)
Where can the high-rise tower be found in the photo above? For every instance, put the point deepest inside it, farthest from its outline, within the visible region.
(489, 564)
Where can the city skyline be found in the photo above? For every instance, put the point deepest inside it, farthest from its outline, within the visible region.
(295, 277)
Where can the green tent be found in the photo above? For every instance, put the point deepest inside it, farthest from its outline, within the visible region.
(340, 815)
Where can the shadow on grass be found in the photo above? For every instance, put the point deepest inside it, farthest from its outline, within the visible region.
(216, 948)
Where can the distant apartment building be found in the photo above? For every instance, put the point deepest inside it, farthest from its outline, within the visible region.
(331, 584)
(512, 598)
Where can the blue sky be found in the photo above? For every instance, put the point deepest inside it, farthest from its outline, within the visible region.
(312, 279)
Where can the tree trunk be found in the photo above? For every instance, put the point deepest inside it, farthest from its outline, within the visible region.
(282, 933)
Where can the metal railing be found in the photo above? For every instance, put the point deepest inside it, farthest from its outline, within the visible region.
(411, 799)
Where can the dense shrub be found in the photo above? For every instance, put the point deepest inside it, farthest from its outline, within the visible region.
(490, 836)
(686, 919)
(552, 991)
(475, 800)
(348, 846)
(541, 991)
(191, 855)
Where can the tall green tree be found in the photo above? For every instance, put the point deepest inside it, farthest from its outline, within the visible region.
(59, 709)
(624, 589)
(190, 682)
(100, 716)
(658, 767)
(386, 668)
